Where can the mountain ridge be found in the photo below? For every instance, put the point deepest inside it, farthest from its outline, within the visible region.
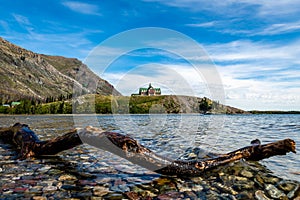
(28, 75)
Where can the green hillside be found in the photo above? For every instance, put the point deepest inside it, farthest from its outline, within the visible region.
(101, 104)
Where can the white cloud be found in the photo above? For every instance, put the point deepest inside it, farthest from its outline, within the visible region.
(267, 30)
(281, 28)
(246, 50)
(258, 75)
(23, 22)
(238, 7)
(83, 8)
(4, 25)
(21, 19)
(194, 4)
(35, 39)
(203, 25)
(260, 94)
(275, 8)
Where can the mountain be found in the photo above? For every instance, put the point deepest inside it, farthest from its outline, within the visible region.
(28, 75)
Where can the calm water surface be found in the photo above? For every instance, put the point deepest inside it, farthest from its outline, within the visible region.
(171, 135)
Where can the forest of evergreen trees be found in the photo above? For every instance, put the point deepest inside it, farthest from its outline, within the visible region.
(50, 105)
(31, 107)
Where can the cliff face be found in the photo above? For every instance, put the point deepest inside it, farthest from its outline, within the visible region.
(25, 74)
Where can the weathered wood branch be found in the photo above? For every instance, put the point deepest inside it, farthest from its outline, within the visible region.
(28, 145)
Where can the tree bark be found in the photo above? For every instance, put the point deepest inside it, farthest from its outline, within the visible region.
(28, 144)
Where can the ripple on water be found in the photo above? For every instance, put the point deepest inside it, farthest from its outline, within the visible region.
(99, 173)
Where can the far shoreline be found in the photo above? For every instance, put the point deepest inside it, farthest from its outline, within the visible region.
(252, 112)
(273, 112)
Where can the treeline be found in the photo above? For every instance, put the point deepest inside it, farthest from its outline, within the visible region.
(58, 98)
(31, 107)
(4, 99)
(50, 105)
(119, 105)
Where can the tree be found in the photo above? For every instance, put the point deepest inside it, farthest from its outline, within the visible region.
(61, 108)
(24, 107)
(205, 105)
(4, 109)
(52, 108)
(67, 108)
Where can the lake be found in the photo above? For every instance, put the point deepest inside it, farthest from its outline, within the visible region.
(168, 135)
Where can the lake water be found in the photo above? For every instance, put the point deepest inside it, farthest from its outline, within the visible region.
(171, 135)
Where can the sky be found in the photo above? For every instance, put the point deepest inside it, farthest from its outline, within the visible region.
(243, 53)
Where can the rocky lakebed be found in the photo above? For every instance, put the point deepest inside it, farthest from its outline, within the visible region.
(80, 174)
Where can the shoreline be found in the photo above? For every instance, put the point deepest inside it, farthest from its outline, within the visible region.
(273, 112)
(107, 114)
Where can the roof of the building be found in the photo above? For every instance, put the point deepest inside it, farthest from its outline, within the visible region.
(15, 103)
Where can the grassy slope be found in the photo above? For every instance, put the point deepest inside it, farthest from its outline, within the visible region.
(146, 104)
(120, 105)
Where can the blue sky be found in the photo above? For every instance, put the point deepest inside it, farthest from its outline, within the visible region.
(254, 45)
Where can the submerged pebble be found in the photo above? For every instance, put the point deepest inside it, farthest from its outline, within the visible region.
(100, 191)
(246, 174)
(49, 188)
(39, 198)
(274, 192)
(260, 195)
(67, 177)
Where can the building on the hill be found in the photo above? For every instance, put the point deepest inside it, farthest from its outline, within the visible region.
(150, 91)
(15, 103)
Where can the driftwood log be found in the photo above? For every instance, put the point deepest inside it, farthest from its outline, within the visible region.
(28, 144)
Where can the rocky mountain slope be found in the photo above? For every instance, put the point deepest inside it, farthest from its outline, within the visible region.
(25, 74)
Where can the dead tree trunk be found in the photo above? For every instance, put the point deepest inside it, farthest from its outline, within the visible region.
(28, 145)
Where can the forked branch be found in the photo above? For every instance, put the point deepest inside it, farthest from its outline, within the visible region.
(28, 144)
